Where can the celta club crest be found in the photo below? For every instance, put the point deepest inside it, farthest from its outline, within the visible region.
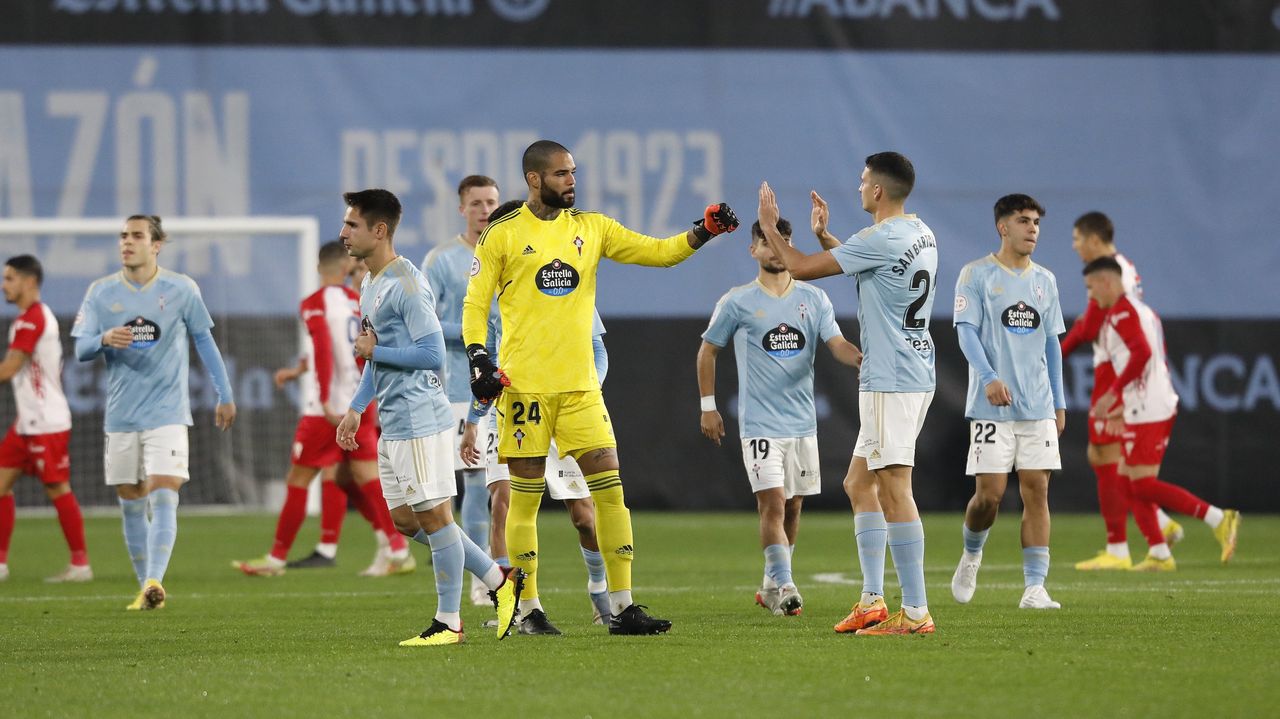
(577, 242)
(1039, 293)
(519, 435)
(162, 303)
(803, 309)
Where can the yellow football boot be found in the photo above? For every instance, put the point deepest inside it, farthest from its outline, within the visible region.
(1104, 560)
(1226, 533)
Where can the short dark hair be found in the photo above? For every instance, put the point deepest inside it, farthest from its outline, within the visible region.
(471, 181)
(538, 155)
(757, 232)
(153, 224)
(897, 170)
(1096, 223)
(27, 265)
(1106, 263)
(505, 208)
(1016, 202)
(334, 251)
(376, 205)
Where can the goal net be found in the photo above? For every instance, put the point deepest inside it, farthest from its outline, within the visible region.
(252, 272)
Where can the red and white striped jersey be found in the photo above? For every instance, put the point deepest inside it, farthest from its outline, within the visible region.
(1132, 333)
(1132, 282)
(332, 317)
(42, 407)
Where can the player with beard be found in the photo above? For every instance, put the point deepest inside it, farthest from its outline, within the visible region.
(774, 323)
(544, 257)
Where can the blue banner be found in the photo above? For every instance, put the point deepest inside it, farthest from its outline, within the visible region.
(1180, 150)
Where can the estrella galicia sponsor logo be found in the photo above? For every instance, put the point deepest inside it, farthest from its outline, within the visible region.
(1020, 319)
(783, 341)
(557, 279)
(145, 333)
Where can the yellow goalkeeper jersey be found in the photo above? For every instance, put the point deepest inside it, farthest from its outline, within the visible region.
(544, 275)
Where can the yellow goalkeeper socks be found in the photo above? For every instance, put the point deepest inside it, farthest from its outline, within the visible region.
(522, 529)
(613, 527)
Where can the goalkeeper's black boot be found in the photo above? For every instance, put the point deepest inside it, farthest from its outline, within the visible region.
(315, 560)
(536, 622)
(633, 620)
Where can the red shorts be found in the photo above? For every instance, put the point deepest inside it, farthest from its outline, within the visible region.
(315, 443)
(1145, 443)
(1103, 376)
(40, 455)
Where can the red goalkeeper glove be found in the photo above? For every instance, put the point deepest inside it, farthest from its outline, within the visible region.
(717, 220)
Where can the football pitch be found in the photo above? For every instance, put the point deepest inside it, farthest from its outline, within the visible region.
(322, 643)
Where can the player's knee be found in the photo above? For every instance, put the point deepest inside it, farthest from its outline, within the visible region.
(987, 500)
(53, 491)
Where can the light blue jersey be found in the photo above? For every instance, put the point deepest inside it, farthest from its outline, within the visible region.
(146, 381)
(774, 340)
(401, 309)
(448, 267)
(896, 264)
(1012, 311)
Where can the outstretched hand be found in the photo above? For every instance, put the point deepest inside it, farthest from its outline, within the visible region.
(768, 210)
(820, 215)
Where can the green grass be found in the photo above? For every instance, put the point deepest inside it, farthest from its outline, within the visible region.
(322, 643)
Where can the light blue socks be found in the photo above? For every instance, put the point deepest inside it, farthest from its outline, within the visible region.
(1035, 565)
(906, 544)
(134, 513)
(870, 531)
(162, 532)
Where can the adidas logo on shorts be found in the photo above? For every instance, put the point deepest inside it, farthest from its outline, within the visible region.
(624, 551)
(528, 250)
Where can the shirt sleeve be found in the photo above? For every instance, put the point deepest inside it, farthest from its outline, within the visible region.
(1084, 329)
(597, 324)
(968, 306)
(87, 324)
(860, 253)
(629, 247)
(322, 348)
(1125, 320)
(1053, 313)
(435, 274)
(724, 322)
(27, 330)
(827, 326)
(486, 267)
(418, 312)
(195, 314)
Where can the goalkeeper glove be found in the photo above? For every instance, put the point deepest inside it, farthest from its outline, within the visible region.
(487, 380)
(717, 220)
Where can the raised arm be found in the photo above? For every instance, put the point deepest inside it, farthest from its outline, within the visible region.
(818, 219)
(1085, 328)
(801, 266)
(712, 423)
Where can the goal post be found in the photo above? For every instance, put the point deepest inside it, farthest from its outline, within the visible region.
(252, 273)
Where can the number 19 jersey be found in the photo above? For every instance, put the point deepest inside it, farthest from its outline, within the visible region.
(895, 262)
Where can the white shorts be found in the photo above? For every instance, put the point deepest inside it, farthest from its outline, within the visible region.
(564, 478)
(790, 463)
(495, 471)
(417, 472)
(998, 447)
(131, 457)
(890, 424)
(460, 411)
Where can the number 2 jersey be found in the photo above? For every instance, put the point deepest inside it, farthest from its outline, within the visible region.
(37, 387)
(544, 274)
(774, 340)
(332, 318)
(895, 262)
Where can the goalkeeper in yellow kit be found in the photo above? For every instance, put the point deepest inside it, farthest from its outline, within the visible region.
(540, 260)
